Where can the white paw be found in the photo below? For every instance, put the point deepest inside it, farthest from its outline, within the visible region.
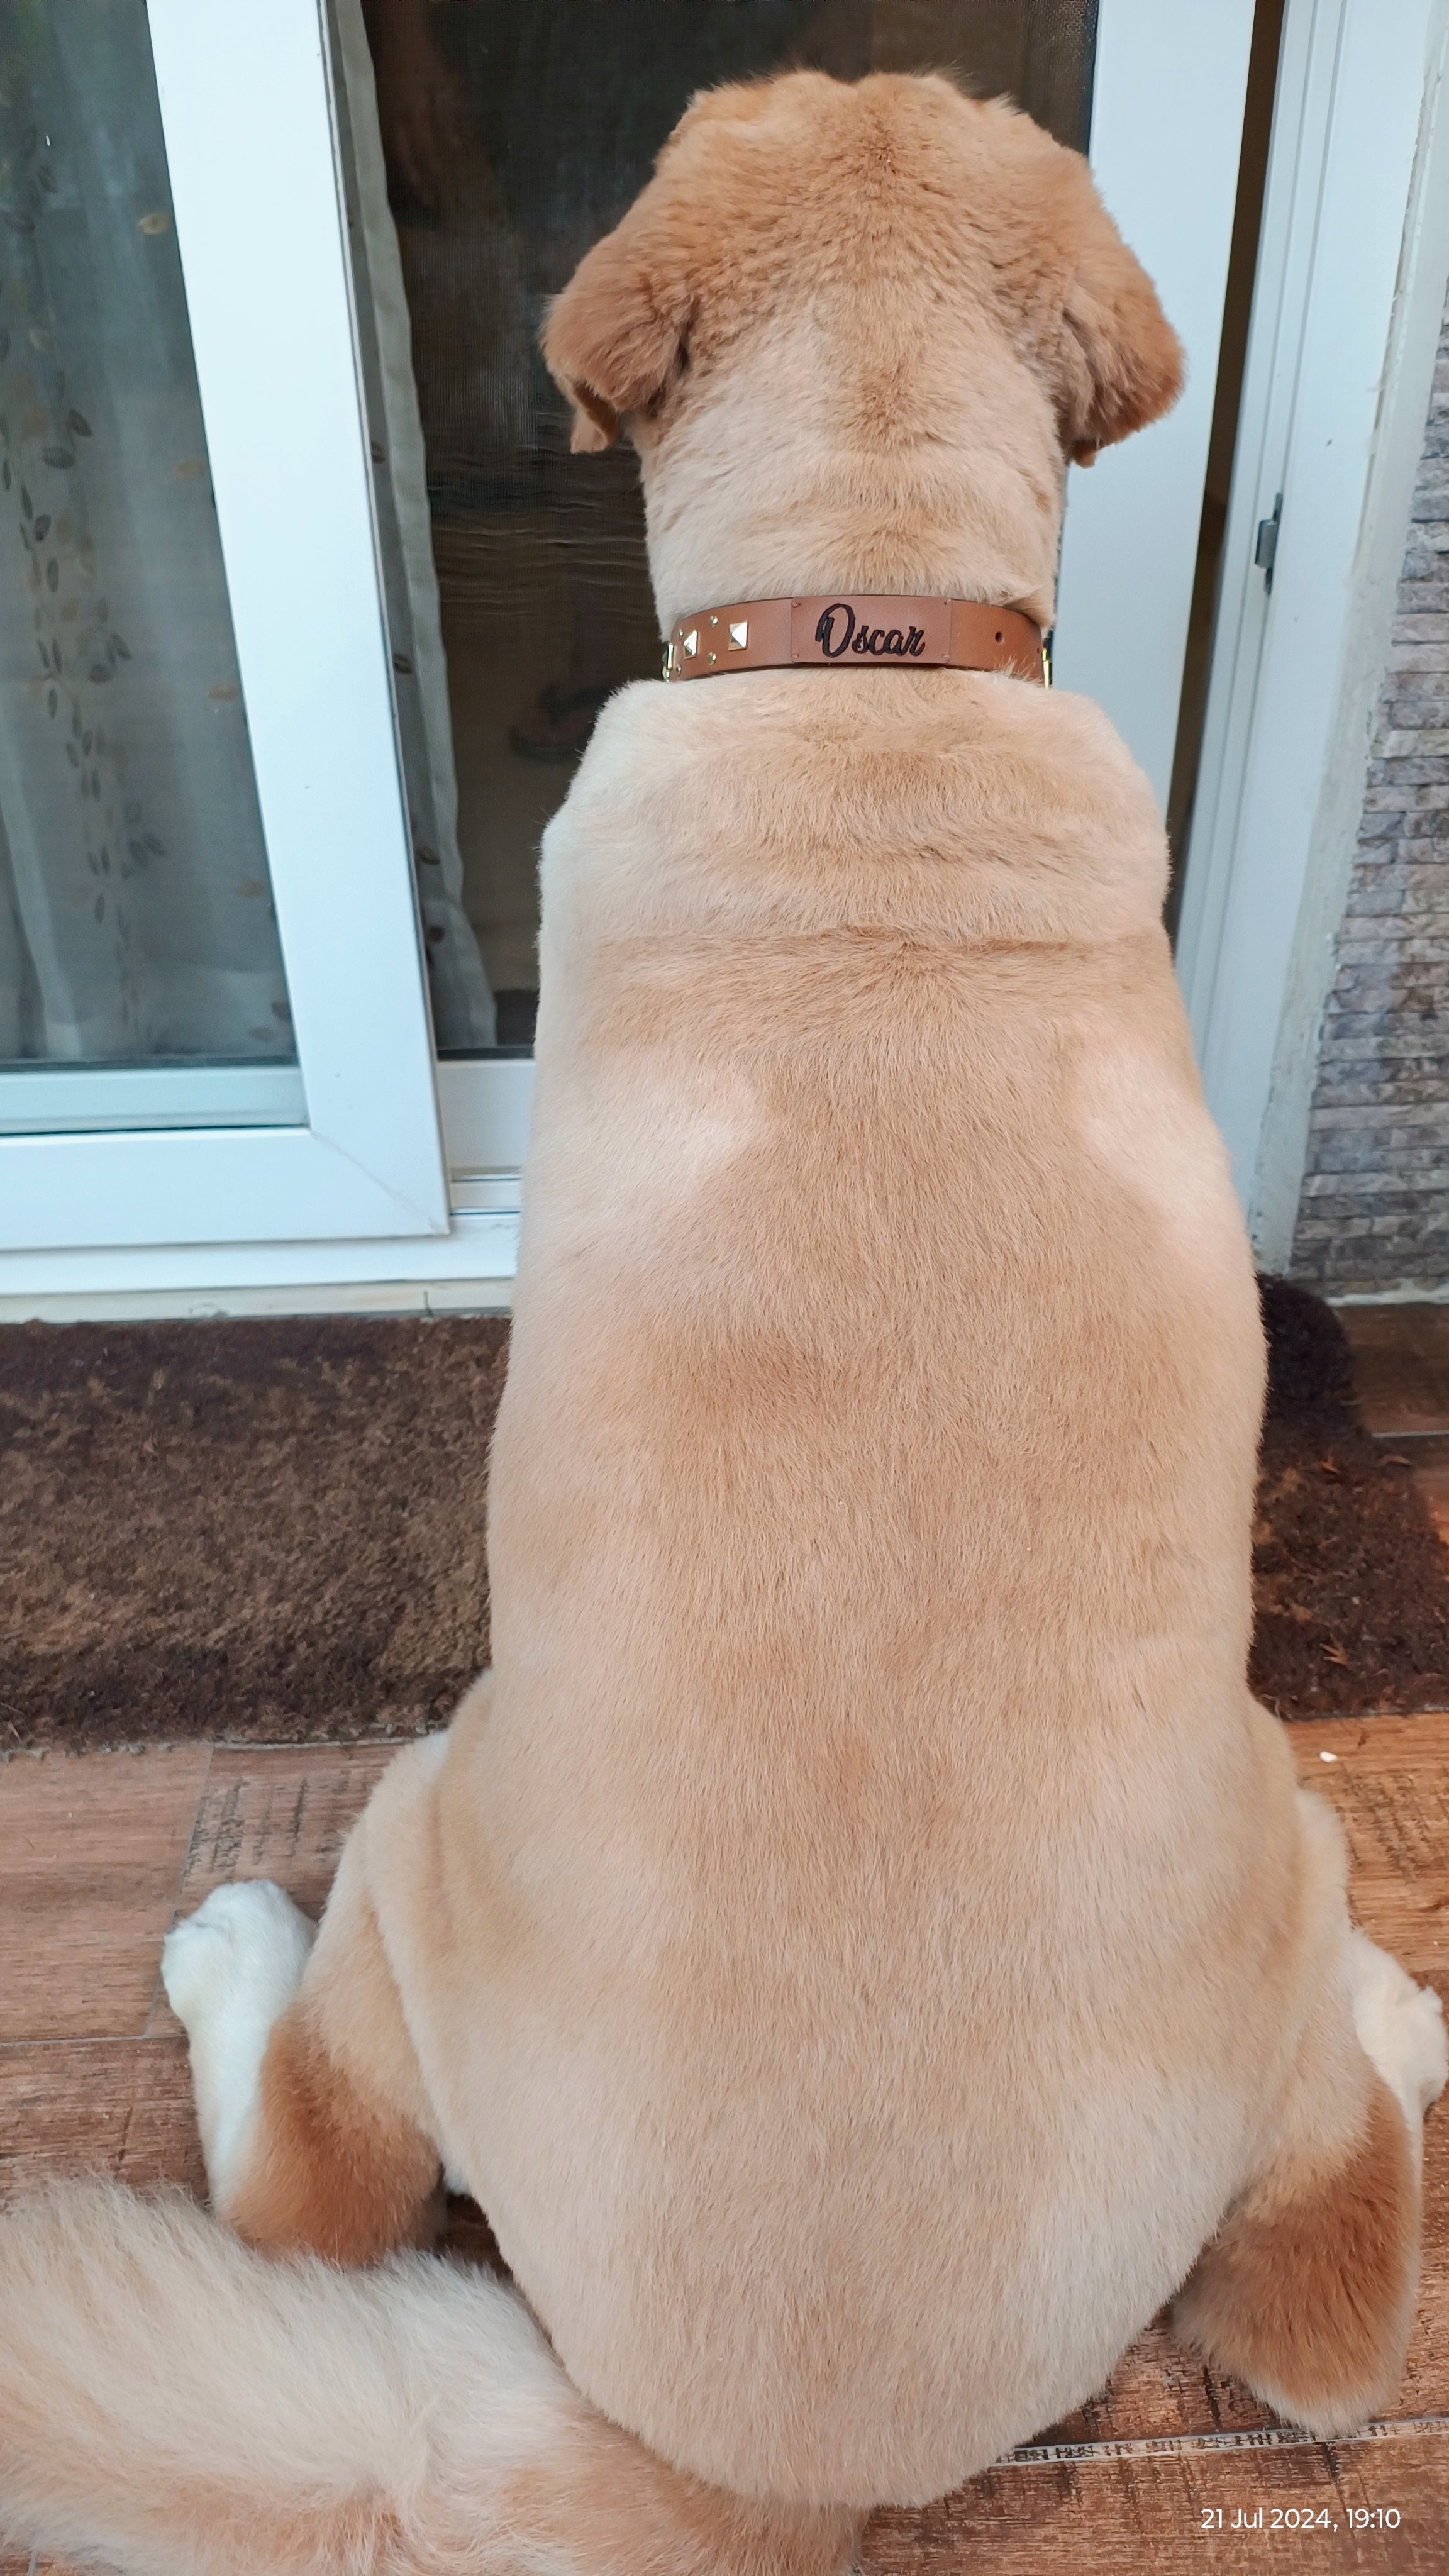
(228, 1972)
(1400, 2025)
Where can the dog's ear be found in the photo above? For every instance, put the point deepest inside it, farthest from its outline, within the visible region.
(617, 333)
(1121, 360)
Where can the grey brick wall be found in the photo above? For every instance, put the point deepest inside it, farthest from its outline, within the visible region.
(1374, 1212)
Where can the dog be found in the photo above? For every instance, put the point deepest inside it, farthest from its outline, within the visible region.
(861, 1942)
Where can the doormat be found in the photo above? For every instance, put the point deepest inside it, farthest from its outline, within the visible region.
(274, 1531)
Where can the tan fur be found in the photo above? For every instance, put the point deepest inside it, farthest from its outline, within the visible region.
(334, 2172)
(343, 2163)
(1307, 2290)
(173, 2400)
(891, 313)
(861, 1941)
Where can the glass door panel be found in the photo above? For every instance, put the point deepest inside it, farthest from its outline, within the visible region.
(216, 1026)
(137, 929)
(492, 142)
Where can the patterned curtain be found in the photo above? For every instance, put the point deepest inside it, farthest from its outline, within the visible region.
(135, 905)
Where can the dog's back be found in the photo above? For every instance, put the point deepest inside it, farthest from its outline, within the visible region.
(867, 1725)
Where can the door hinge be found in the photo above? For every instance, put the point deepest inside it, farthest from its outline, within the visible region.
(1266, 549)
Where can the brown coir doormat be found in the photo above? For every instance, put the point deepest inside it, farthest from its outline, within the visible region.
(269, 1531)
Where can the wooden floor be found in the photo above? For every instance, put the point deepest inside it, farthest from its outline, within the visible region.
(100, 1853)
(1166, 2470)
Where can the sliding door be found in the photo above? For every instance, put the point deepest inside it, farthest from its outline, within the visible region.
(310, 612)
(213, 1025)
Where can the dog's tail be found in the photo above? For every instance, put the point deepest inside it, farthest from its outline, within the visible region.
(175, 2404)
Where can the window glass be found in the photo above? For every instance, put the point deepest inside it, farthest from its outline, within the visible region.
(513, 133)
(136, 923)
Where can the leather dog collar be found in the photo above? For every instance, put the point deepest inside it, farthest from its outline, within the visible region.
(856, 630)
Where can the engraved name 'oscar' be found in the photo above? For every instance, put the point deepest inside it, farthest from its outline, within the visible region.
(900, 644)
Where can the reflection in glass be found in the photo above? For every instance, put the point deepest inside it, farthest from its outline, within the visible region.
(515, 133)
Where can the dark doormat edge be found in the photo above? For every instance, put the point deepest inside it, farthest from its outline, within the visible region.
(271, 1533)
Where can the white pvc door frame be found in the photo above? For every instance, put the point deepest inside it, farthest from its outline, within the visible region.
(1167, 128)
(1346, 312)
(354, 1207)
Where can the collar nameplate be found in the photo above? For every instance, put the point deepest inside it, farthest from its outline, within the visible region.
(856, 631)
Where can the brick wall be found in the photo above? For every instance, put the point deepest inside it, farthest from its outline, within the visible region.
(1374, 1212)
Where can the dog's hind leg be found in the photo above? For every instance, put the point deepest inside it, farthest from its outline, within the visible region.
(1307, 2290)
(313, 2115)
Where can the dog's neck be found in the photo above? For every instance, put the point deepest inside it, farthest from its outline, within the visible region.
(770, 482)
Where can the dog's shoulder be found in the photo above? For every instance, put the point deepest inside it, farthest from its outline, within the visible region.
(941, 799)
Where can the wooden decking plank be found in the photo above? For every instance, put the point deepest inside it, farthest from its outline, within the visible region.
(1160, 2389)
(117, 2107)
(37, 2566)
(1389, 1783)
(91, 1854)
(1386, 1743)
(1144, 2516)
(279, 1812)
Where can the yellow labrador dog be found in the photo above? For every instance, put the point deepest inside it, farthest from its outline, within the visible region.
(861, 1943)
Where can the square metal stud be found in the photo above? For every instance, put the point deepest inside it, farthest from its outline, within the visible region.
(691, 641)
(739, 634)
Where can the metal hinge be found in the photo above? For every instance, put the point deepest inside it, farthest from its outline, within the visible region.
(1266, 550)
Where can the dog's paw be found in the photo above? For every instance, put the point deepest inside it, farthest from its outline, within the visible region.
(1400, 2026)
(247, 1945)
(228, 1972)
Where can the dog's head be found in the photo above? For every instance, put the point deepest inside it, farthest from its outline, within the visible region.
(856, 331)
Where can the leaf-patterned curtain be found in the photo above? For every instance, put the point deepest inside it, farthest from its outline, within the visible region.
(135, 904)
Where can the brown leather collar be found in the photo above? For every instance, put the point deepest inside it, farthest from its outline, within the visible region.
(854, 631)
